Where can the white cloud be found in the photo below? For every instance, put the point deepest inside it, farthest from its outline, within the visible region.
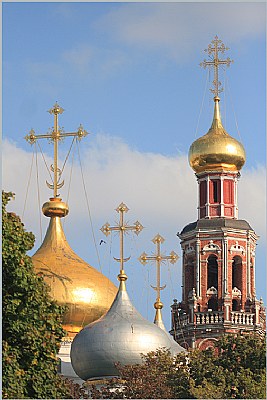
(87, 59)
(153, 186)
(178, 28)
(83, 60)
(160, 191)
(113, 172)
(80, 57)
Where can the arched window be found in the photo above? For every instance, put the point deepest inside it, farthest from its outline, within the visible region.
(190, 274)
(213, 304)
(212, 272)
(237, 272)
(235, 305)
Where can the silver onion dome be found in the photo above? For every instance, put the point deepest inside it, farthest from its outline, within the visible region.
(121, 335)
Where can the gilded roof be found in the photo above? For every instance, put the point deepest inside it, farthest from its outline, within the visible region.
(73, 282)
(216, 150)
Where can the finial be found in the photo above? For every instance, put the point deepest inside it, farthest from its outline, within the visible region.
(213, 49)
(159, 258)
(56, 109)
(122, 228)
(55, 135)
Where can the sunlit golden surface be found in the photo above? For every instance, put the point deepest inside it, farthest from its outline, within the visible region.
(87, 292)
(216, 150)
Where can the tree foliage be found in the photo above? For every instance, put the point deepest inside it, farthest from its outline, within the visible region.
(31, 327)
(235, 368)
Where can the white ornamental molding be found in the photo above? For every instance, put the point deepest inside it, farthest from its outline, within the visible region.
(211, 247)
(237, 248)
(236, 292)
(212, 291)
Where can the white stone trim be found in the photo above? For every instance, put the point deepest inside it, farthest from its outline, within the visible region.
(237, 248)
(212, 291)
(198, 273)
(211, 247)
(236, 292)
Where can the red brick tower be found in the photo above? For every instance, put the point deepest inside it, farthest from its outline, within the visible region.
(218, 289)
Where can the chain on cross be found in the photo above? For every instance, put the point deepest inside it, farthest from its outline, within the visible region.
(159, 258)
(213, 50)
(122, 228)
(56, 135)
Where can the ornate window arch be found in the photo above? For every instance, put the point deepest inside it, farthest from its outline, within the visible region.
(237, 248)
(211, 247)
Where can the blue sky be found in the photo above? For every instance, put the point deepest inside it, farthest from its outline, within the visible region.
(129, 72)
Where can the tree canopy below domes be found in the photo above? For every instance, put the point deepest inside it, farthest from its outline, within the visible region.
(31, 323)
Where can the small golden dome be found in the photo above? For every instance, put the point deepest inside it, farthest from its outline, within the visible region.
(87, 292)
(55, 208)
(216, 150)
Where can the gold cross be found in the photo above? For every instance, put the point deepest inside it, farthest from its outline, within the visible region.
(122, 228)
(56, 135)
(159, 258)
(217, 47)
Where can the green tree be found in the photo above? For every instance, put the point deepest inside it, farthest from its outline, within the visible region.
(235, 368)
(207, 379)
(148, 380)
(243, 359)
(31, 327)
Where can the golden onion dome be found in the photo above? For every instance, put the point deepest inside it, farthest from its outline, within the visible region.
(216, 150)
(73, 282)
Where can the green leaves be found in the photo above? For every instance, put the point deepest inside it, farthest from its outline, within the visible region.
(31, 327)
(234, 369)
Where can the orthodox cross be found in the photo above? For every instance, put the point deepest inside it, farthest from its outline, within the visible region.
(122, 228)
(159, 258)
(214, 48)
(55, 136)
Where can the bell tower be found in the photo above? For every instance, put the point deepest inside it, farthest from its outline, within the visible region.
(218, 282)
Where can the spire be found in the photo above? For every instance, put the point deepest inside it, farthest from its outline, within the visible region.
(74, 283)
(217, 125)
(159, 258)
(213, 50)
(122, 228)
(122, 335)
(216, 150)
(55, 207)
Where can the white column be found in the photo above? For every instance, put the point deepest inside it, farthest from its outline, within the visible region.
(227, 301)
(198, 275)
(254, 277)
(208, 197)
(225, 267)
(198, 205)
(222, 198)
(183, 275)
(235, 198)
(248, 267)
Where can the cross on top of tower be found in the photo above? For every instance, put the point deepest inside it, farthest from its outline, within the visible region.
(159, 258)
(213, 50)
(55, 135)
(122, 228)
